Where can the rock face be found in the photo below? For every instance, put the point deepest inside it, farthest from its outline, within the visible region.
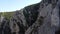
(4, 26)
(40, 18)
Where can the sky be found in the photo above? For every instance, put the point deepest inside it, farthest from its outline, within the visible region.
(12, 5)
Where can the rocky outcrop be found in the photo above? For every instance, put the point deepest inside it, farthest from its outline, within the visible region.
(4, 27)
(40, 18)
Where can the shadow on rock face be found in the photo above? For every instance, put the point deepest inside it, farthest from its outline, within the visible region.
(57, 32)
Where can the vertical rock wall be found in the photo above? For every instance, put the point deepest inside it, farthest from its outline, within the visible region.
(40, 18)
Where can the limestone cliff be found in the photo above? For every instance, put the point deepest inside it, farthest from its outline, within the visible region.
(40, 18)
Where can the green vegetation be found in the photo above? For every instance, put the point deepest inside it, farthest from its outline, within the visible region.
(7, 15)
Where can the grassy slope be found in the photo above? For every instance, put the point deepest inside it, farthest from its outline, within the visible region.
(7, 15)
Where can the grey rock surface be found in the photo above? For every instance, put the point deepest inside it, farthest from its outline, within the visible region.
(40, 18)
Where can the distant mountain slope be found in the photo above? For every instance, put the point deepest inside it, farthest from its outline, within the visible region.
(7, 15)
